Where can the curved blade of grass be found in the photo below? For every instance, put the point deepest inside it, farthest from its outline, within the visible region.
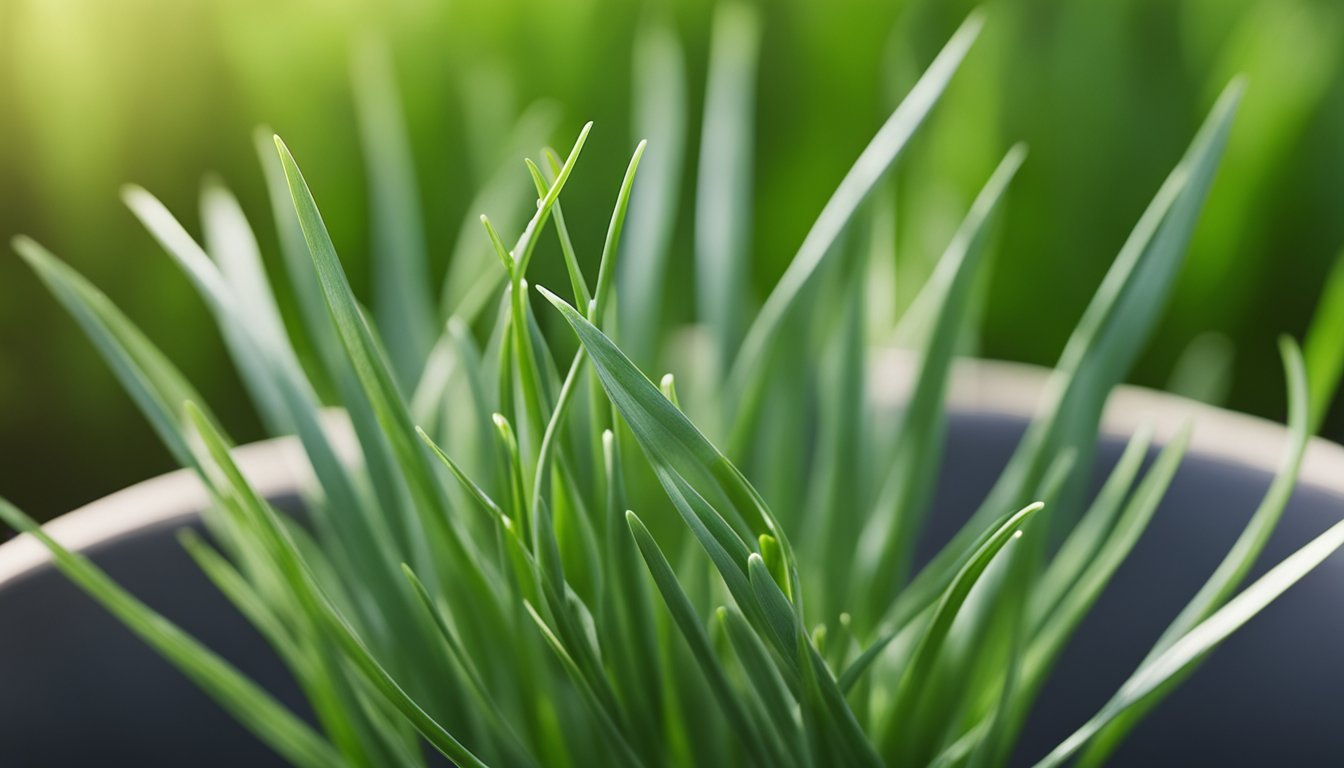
(577, 281)
(1192, 646)
(1109, 336)
(312, 308)
(311, 664)
(1239, 559)
(401, 298)
(610, 727)
(993, 540)
(265, 356)
(239, 329)
(558, 413)
(684, 615)
(146, 374)
(527, 241)
(1089, 583)
(885, 544)
(773, 694)
(724, 177)
(750, 366)
(1125, 308)
(480, 691)
(321, 329)
(843, 733)
(229, 240)
(606, 273)
(230, 487)
(914, 681)
(1086, 539)
(662, 429)
(1086, 586)
(1324, 346)
(471, 281)
(685, 462)
(627, 622)
(660, 115)
(376, 380)
(275, 725)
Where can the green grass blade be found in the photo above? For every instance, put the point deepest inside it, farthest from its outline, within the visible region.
(275, 725)
(751, 363)
(1125, 308)
(402, 303)
(240, 329)
(577, 281)
(1089, 583)
(606, 274)
(913, 686)
(230, 487)
(273, 373)
(663, 430)
(309, 663)
(1087, 538)
(771, 692)
(229, 240)
(628, 624)
(591, 697)
(1324, 346)
(480, 691)
(1239, 559)
(724, 177)
(1109, 336)
(316, 321)
(684, 615)
(832, 515)
(660, 116)
(376, 380)
(1086, 586)
(1202, 638)
(471, 282)
(527, 241)
(153, 383)
(844, 734)
(893, 526)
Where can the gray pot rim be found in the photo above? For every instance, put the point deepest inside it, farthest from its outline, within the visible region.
(278, 466)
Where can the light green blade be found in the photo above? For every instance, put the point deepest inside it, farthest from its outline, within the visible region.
(1239, 559)
(275, 725)
(724, 178)
(1202, 638)
(401, 296)
(660, 116)
(751, 364)
(1111, 333)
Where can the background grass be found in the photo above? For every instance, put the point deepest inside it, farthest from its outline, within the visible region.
(93, 95)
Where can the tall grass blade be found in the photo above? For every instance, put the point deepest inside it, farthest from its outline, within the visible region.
(723, 179)
(659, 115)
(751, 363)
(279, 728)
(401, 297)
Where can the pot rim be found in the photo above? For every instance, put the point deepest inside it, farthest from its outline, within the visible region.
(278, 465)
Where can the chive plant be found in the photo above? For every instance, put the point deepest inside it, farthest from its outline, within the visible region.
(540, 556)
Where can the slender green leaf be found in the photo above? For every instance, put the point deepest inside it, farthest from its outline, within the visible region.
(750, 367)
(279, 728)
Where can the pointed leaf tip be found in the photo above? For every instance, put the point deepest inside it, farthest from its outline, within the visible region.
(551, 297)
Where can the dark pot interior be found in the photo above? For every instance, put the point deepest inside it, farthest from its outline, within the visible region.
(1269, 696)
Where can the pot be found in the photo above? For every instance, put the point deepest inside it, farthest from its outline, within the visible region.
(1269, 695)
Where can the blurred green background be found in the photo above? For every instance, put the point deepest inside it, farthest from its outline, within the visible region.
(94, 94)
